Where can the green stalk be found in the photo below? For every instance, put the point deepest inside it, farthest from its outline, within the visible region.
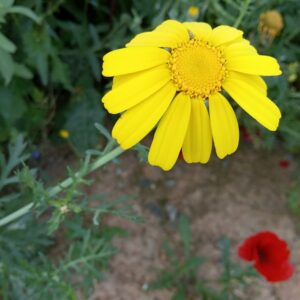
(64, 184)
(243, 11)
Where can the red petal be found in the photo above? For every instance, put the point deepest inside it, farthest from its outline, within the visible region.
(247, 250)
(274, 249)
(276, 273)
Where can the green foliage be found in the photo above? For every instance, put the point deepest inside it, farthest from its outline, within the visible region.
(16, 156)
(182, 272)
(294, 201)
(30, 266)
(80, 118)
(50, 70)
(8, 67)
(27, 271)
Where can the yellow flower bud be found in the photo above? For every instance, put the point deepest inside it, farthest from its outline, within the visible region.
(270, 24)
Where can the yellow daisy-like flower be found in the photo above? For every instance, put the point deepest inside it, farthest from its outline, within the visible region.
(172, 75)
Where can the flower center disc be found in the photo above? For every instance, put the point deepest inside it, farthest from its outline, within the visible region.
(197, 68)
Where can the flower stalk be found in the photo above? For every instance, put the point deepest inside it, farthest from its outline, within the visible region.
(64, 184)
(243, 11)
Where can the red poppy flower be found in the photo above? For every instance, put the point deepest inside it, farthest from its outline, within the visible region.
(270, 255)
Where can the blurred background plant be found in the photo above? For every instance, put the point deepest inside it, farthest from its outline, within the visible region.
(50, 90)
(30, 266)
(182, 274)
(50, 60)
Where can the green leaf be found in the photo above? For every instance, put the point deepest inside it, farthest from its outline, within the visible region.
(6, 3)
(23, 71)
(60, 72)
(7, 66)
(81, 118)
(294, 201)
(180, 293)
(25, 12)
(94, 63)
(185, 234)
(42, 66)
(38, 47)
(6, 44)
(12, 106)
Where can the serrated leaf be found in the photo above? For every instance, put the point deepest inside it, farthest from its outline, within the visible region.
(7, 44)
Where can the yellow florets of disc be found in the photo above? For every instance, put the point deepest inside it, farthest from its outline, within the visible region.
(198, 68)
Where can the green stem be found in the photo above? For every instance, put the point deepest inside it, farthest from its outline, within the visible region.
(64, 184)
(243, 11)
(85, 259)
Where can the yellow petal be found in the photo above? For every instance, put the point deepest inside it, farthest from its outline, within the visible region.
(169, 135)
(154, 39)
(241, 48)
(224, 125)
(225, 34)
(120, 79)
(136, 89)
(254, 64)
(198, 140)
(168, 35)
(199, 30)
(138, 121)
(253, 101)
(174, 27)
(256, 81)
(130, 60)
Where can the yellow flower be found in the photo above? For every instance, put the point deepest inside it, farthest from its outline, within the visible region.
(193, 11)
(270, 24)
(64, 134)
(169, 77)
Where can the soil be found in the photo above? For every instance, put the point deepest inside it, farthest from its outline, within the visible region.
(234, 198)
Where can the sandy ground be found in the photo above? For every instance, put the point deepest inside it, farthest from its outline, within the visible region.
(236, 197)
